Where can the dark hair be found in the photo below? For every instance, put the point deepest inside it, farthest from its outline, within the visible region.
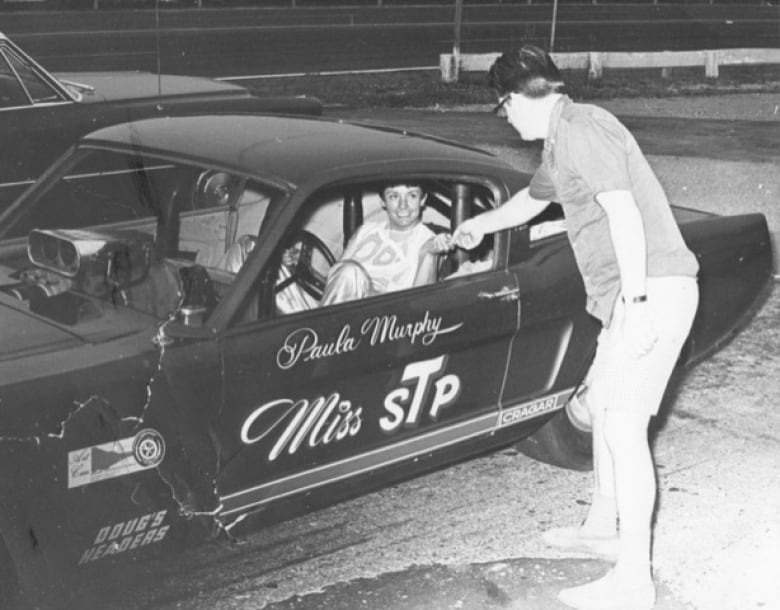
(382, 186)
(528, 70)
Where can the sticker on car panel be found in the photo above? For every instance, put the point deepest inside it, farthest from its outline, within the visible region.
(534, 408)
(115, 459)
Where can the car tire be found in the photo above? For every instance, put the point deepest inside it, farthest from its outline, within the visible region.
(560, 443)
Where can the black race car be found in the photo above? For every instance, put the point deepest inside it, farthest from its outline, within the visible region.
(152, 396)
(41, 114)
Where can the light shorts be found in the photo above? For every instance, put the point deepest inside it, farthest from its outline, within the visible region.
(617, 380)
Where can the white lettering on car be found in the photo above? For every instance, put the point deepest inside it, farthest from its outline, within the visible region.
(125, 535)
(404, 406)
(381, 329)
(534, 408)
(321, 421)
(305, 345)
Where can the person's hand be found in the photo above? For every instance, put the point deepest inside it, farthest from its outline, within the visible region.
(468, 235)
(441, 243)
(639, 329)
(438, 244)
(291, 256)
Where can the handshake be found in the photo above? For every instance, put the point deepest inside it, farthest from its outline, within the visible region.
(467, 236)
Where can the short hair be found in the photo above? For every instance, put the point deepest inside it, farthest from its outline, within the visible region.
(528, 70)
(383, 186)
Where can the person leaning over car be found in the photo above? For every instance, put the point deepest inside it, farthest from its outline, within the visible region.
(640, 280)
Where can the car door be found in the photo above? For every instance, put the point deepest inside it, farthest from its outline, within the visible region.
(326, 394)
(319, 396)
(557, 337)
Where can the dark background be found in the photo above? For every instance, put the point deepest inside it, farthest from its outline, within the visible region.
(234, 39)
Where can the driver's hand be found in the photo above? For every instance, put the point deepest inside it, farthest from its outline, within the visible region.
(440, 243)
(468, 235)
(291, 256)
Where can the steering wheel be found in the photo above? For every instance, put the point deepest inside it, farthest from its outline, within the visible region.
(303, 272)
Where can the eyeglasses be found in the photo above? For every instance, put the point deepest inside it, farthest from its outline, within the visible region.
(502, 101)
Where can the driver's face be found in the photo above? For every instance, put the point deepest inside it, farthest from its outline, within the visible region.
(404, 204)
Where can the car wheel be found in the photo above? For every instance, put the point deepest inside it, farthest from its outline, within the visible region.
(561, 442)
(9, 582)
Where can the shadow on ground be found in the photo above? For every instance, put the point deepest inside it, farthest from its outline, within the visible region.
(527, 583)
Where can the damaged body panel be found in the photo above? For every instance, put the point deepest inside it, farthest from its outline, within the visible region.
(167, 376)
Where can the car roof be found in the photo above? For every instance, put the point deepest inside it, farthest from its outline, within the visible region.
(289, 149)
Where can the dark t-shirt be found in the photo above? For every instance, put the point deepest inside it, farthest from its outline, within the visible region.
(587, 152)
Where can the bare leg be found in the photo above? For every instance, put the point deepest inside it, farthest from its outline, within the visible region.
(626, 434)
(601, 519)
(629, 585)
(597, 535)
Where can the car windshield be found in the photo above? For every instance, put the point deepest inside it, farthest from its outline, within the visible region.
(114, 230)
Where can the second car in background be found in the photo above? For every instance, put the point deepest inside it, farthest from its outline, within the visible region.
(41, 114)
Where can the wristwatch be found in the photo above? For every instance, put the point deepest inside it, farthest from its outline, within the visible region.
(642, 298)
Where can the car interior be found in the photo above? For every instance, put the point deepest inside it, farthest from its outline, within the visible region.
(201, 224)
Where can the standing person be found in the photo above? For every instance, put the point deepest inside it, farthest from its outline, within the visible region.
(640, 280)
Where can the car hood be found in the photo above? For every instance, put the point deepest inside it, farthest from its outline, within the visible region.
(24, 334)
(114, 86)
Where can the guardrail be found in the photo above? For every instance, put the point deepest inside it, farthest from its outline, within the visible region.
(595, 62)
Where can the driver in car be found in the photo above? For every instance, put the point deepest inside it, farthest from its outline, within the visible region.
(384, 255)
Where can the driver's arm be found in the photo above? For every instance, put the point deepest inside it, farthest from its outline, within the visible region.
(428, 262)
(426, 268)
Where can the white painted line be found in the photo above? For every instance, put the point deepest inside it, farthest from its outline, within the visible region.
(329, 73)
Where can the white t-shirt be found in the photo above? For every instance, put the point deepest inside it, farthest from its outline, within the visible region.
(390, 257)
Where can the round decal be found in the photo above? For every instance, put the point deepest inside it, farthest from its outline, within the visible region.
(148, 448)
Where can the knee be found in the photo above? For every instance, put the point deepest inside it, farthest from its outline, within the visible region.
(348, 269)
(347, 281)
(624, 431)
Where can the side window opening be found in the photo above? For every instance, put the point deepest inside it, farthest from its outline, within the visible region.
(343, 225)
(11, 91)
(38, 89)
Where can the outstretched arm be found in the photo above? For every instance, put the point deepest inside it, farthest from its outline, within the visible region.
(428, 262)
(518, 210)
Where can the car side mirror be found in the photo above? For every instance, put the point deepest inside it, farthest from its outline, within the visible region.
(199, 298)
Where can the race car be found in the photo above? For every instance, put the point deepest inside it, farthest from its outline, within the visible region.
(153, 397)
(42, 114)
